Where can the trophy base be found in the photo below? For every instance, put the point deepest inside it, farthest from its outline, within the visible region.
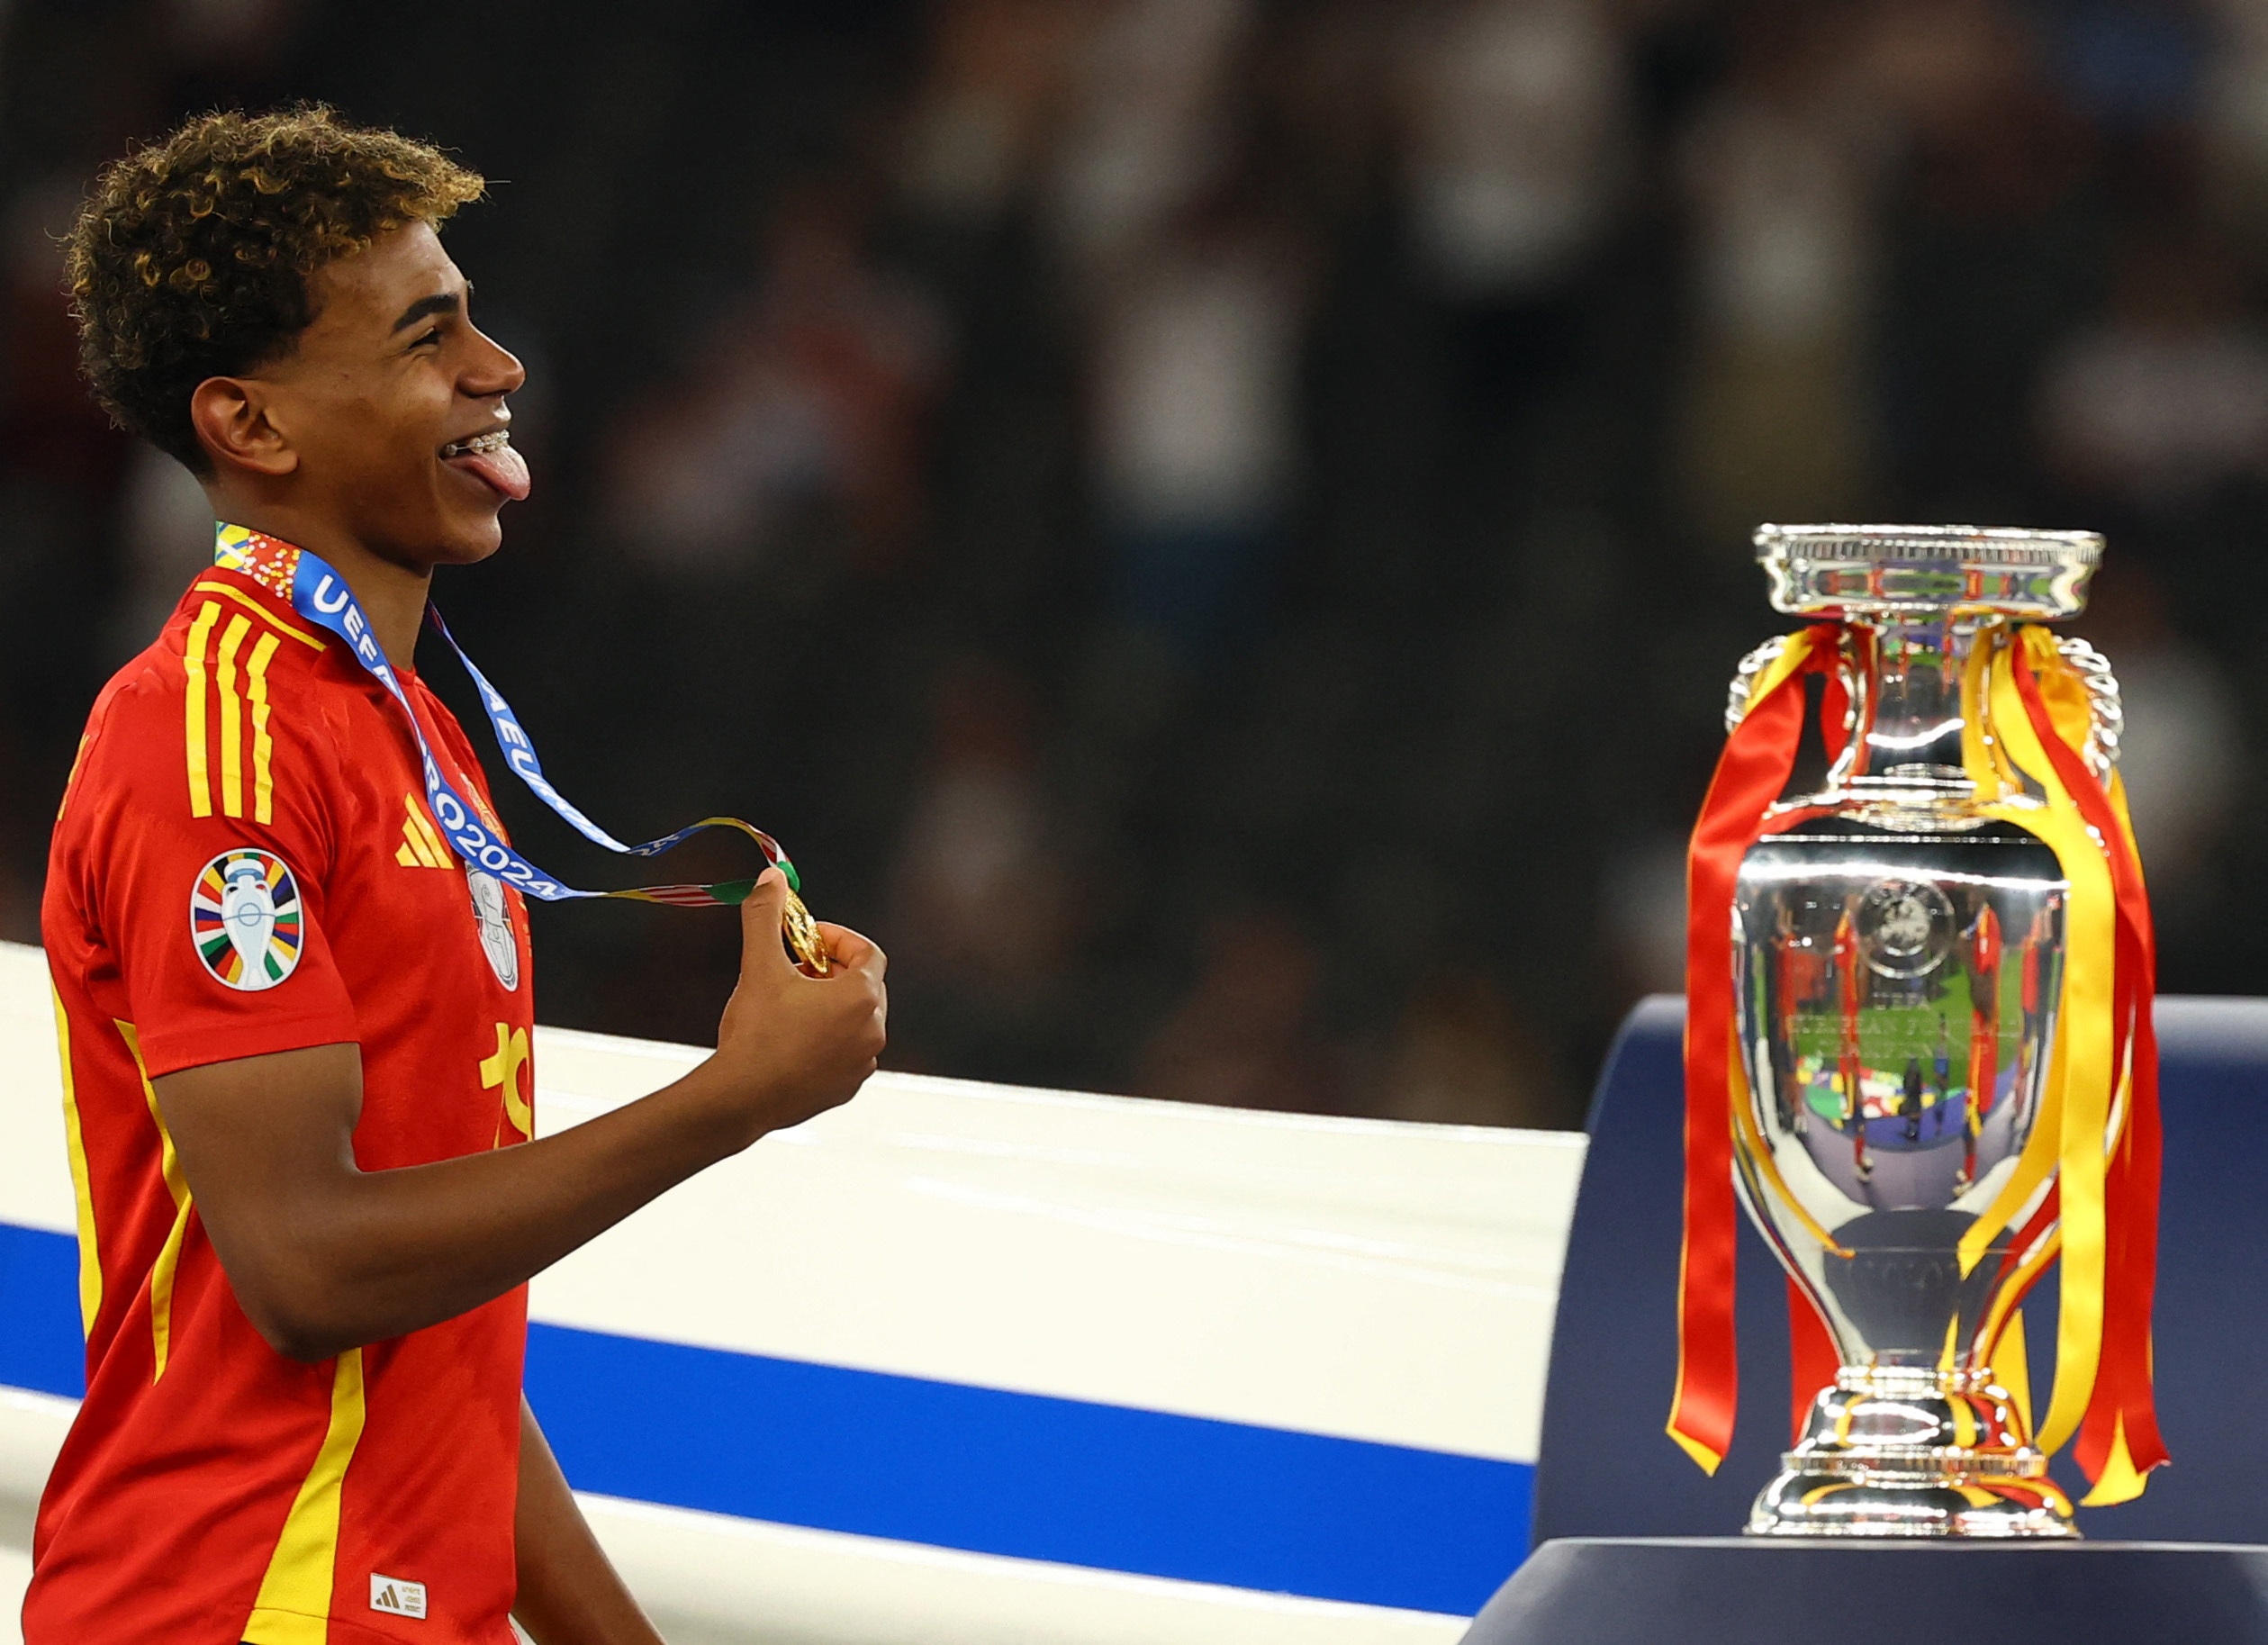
(1743, 1590)
(1949, 1500)
(1903, 1451)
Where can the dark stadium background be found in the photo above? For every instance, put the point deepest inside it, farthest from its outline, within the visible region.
(1215, 530)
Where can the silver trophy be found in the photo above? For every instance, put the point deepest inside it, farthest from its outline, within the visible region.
(1899, 953)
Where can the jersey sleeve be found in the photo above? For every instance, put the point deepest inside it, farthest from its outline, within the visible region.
(205, 877)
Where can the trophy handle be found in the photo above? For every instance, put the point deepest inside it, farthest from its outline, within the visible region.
(1857, 685)
(2106, 713)
(1735, 708)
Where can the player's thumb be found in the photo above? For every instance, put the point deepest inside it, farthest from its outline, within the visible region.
(760, 916)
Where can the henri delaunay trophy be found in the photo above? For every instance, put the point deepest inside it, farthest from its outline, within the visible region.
(1921, 1035)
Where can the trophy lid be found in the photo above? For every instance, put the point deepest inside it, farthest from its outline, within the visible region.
(1876, 571)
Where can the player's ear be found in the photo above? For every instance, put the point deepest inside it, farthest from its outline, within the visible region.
(230, 416)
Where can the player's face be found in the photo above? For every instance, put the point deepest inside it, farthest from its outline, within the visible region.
(388, 386)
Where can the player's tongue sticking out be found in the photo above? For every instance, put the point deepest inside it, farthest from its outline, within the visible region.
(493, 458)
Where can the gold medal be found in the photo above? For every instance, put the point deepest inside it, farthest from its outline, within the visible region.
(802, 934)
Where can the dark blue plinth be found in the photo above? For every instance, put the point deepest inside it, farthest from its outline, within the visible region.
(1757, 1591)
(1606, 1469)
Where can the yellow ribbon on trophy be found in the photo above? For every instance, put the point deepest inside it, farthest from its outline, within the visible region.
(2088, 1099)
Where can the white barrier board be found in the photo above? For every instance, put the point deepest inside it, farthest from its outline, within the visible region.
(1311, 1281)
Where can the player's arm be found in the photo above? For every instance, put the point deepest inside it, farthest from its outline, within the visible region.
(324, 1256)
(569, 1591)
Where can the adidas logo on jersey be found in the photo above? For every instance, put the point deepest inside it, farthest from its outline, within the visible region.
(396, 1596)
(422, 842)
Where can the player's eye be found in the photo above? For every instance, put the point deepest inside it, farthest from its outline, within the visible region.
(433, 336)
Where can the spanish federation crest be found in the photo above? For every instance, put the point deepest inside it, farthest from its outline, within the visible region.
(493, 912)
(244, 917)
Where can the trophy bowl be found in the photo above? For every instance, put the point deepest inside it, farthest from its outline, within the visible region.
(1898, 953)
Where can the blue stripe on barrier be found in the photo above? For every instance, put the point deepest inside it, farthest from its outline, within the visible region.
(41, 1345)
(1024, 1475)
(956, 1466)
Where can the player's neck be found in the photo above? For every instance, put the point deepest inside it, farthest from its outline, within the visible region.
(392, 594)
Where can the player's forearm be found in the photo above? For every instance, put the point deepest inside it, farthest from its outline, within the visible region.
(324, 1256)
(358, 1257)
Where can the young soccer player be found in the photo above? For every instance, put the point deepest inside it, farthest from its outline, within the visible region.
(295, 1024)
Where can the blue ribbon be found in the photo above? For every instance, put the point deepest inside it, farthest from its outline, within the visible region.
(321, 595)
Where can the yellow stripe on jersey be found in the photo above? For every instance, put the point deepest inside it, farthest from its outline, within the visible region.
(294, 1600)
(90, 1257)
(170, 1167)
(193, 709)
(161, 1279)
(224, 674)
(85, 738)
(267, 616)
(231, 719)
(263, 746)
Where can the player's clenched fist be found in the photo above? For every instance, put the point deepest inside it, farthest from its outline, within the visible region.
(792, 1045)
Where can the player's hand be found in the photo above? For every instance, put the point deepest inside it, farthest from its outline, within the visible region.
(791, 1044)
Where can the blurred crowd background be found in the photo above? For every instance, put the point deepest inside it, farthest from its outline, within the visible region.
(1215, 530)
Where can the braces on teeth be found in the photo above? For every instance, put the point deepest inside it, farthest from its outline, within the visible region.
(485, 442)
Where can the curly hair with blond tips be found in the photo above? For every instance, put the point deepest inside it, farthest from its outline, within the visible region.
(193, 257)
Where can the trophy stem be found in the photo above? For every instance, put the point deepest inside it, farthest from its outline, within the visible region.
(1898, 1450)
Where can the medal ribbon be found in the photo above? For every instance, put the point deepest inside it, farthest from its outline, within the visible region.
(321, 595)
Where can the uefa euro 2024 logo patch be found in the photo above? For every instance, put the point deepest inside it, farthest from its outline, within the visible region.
(244, 917)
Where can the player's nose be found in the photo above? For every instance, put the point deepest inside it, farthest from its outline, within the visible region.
(494, 370)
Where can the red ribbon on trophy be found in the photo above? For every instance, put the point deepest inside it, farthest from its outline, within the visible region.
(1751, 774)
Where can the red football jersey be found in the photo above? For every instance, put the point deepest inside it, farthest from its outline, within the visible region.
(244, 864)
